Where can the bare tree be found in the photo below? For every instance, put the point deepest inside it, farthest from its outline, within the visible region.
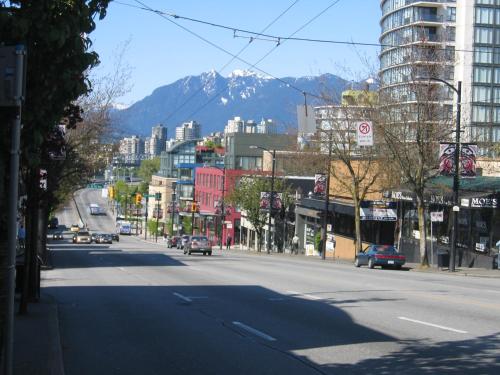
(414, 118)
(355, 169)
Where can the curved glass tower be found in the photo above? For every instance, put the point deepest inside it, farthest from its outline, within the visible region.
(417, 37)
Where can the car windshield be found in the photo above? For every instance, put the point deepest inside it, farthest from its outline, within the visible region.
(83, 233)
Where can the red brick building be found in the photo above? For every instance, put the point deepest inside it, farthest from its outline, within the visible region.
(209, 195)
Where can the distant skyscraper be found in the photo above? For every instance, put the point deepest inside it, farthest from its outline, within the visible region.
(131, 148)
(159, 131)
(238, 125)
(187, 131)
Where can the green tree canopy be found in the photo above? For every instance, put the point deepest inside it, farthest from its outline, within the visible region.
(149, 168)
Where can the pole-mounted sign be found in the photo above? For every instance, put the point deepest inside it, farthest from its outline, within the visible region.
(364, 132)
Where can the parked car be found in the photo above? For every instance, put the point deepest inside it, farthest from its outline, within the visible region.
(115, 237)
(172, 241)
(198, 244)
(82, 237)
(58, 236)
(380, 255)
(75, 228)
(104, 238)
(180, 244)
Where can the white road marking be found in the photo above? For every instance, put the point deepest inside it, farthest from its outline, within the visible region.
(254, 331)
(184, 298)
(432, 325)
(306, 296)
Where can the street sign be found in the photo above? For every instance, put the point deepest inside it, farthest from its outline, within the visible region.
(364, 131)
(437, 216)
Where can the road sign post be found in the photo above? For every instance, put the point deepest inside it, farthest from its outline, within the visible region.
(364, 132)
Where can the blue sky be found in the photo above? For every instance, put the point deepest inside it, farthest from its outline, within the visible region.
(160, 52)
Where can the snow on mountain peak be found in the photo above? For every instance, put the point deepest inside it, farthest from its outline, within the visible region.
(247, 73)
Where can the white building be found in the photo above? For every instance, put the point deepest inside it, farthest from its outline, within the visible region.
(238, 125)
(187, 131)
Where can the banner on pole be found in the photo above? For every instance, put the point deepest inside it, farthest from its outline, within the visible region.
(468, 154)
(319, 184)
(265, 198)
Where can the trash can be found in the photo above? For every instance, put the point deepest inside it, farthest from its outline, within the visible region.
(443, 259)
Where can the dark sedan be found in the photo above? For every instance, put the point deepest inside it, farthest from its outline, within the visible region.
(104, 238)
(115, 237)
(380, 255)
(58, 236)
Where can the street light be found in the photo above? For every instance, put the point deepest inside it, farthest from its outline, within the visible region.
(456, 177)
(271, 200)
(223, 212)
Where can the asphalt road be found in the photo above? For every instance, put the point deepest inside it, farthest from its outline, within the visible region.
(139, 308)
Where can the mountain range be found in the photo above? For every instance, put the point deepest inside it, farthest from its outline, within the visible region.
(211, 100)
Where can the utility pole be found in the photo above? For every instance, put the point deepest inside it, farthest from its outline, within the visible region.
(16, 56)
(327, 197)
(146, 218)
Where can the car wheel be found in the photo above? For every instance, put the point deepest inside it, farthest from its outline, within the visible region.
(189, 252)
(371, 263)
(210, 253)
(356, 263)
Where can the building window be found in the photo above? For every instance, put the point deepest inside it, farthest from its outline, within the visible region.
(483, 55)
(451, 14)
(482, 74)
(485, 15)
(483, 35)
(481, 94)
(480, 113)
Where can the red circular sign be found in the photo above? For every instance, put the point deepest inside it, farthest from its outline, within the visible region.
(364, 128)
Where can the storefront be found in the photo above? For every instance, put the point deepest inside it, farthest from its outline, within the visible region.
(478, 221)
(377, 226)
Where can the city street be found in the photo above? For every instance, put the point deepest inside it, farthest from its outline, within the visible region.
(136, 307)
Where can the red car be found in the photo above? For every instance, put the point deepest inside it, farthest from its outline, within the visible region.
(172, 241)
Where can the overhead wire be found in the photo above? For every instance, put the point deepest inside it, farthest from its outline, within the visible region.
(166, 17)
(176, 110)
(279, 39)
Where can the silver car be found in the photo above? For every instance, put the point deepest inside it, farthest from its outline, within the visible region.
(198, 244)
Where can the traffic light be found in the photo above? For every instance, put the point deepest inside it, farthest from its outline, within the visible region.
(193, 207)
(138, 198)
(111, 192)
(158, 196)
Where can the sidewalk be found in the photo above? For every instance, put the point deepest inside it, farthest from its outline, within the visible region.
(37, 345)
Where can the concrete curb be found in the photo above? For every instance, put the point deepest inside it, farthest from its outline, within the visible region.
(55, 360)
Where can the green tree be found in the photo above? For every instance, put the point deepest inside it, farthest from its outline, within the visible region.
(148, 168)
(186, 224)
(56, 36)
(247, 197)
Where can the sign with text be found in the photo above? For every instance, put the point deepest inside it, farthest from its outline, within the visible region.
(378, 214)
(437, 216)
(364, 132)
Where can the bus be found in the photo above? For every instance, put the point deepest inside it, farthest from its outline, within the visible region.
(123, 227)
(94, 209)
